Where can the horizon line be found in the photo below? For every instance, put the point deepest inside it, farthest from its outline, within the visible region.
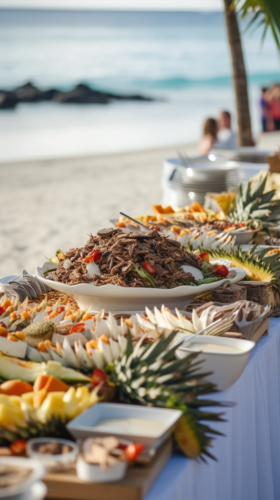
(103, 9)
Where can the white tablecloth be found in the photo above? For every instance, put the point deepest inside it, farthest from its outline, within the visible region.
(248, 466)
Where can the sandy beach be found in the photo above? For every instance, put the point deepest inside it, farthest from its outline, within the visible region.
(51, 204)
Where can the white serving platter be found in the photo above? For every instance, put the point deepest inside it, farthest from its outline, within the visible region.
(117, 298)
(226, 368)
(83, 426)
(37, 473)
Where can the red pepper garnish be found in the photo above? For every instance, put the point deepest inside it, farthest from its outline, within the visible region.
(204, 256)
(2, 310)
(18, 447)
(93, 256)
(98, 377)
(221, 270)
(60, 310)
(78, 328)
(149, 268)
(133, 450)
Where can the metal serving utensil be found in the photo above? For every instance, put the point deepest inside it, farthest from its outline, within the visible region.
(136, 221)
(185, 159)
(200, 333)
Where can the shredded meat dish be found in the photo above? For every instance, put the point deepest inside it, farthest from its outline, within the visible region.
(120, 253)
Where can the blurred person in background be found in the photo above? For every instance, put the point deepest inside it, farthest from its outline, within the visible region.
(266, 116)
(209, 139)
(274, 103)
(226, 136)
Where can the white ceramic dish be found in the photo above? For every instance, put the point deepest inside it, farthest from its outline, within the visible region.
(16, 491)
(95, 474)
(226, 367)
(84, 425)
(53, 462)
(117, 298)
(38, 491)
(244, 237)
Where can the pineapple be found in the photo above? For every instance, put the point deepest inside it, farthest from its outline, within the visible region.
(22, 418)
(253, 205)
(148, 374)
(257, 266)
(33, 428)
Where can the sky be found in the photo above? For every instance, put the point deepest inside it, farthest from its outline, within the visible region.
(116, 4)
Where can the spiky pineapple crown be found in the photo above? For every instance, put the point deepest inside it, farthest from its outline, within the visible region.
(148, 374)
(252, 204)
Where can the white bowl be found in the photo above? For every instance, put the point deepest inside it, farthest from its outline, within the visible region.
(38, 491)
(53, 462)
(226, 367)
(37, 473)
(244, 237)
(83, 426)
(118, 298)
(95, 474)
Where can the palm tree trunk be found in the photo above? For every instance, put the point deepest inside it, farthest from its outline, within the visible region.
(239, 76)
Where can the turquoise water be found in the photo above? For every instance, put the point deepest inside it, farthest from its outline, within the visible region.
(125, 50)
(181, 58)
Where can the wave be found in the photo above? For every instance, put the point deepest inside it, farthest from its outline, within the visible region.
(180, 82)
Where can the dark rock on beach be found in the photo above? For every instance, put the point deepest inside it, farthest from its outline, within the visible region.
(30, 93)
(8, 100)
(81, 94)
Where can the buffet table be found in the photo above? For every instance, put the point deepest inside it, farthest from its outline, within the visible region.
(249, 455)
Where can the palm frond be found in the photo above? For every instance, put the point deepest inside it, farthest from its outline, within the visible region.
(264, 13)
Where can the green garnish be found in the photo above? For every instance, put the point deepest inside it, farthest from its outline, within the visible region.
(143, 274)
(48, 271)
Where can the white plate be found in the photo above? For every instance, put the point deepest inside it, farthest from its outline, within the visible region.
(37, 473)
(38, 491)
(84, 425)
(226, 368)
(117, 298)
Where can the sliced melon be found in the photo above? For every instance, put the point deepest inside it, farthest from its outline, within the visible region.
(11, 348)
(12, 368)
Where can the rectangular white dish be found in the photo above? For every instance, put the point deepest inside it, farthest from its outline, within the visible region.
(84, 425)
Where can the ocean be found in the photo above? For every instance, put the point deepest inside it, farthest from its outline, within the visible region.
(180, 58)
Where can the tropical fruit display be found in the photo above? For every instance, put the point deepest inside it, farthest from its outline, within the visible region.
(133, 362)
(147, 374)
(42, 409)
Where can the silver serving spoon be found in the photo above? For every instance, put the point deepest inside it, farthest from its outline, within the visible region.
(136, 221)
(200, 332)
(239, 230)
(185, 159)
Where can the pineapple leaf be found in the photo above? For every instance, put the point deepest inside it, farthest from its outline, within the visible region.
(268, 196)
(259, 188)
(129, 346)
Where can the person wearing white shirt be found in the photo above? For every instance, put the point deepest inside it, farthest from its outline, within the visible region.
(226, 136)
